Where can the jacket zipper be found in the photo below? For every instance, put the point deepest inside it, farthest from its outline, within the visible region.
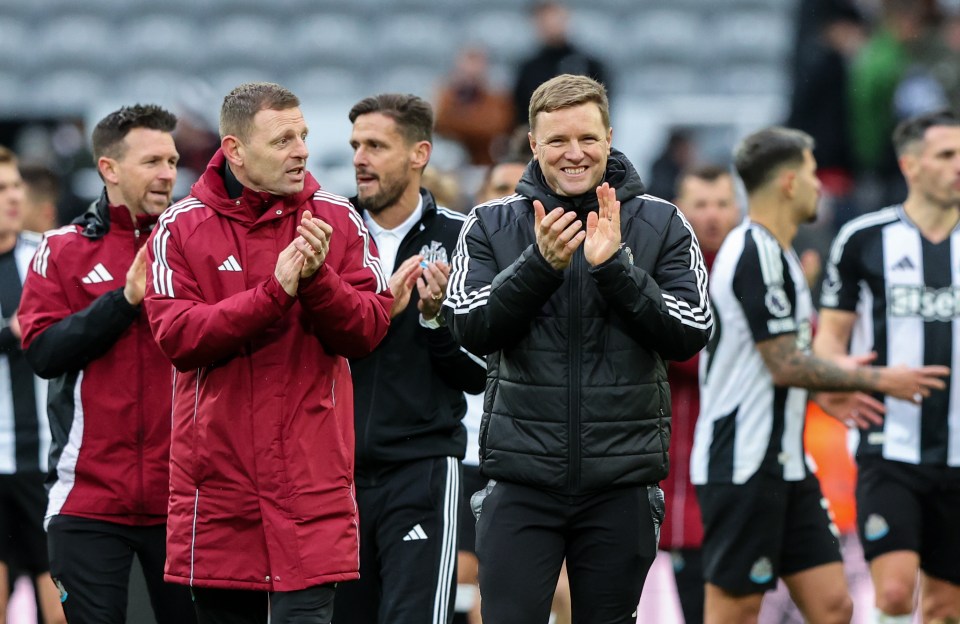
(573, 460)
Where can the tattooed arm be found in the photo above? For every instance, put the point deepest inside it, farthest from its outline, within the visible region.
(790, 366)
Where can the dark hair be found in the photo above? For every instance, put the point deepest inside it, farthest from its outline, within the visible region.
(110, 132)
(41, 181)
(412, 114)
(913, 129)
(242, 104)
(758, 156)
(707, 172)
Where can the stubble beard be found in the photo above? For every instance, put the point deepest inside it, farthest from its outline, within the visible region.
(388, 196)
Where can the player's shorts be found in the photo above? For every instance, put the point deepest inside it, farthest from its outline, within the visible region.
(902, 506)
(23, 502)
(763, 529)
(472, 482)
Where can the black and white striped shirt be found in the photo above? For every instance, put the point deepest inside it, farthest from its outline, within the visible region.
(24, 429)
(747, 424)
(906, 291)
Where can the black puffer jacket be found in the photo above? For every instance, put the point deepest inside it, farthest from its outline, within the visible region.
(577, 398)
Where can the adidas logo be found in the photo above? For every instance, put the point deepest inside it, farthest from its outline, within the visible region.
(416, 533)
(903, 264)
(97, 275)
(230, 264)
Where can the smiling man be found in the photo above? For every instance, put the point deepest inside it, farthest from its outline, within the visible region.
(109, 397)
(262, 285)
(578, 289)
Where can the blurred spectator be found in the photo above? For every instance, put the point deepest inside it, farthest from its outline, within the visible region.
(945, 65)
(819, 102)
(557, 55)
(445, 188)
(43, 192)
(501, 180)
(884, 87)
(470, 111)
(679, 153)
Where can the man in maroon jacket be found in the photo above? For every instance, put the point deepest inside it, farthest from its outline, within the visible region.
(707, 198)
(109, 395)
(261, 286)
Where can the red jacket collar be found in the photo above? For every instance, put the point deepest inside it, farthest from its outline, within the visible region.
(121, 218)
(251, 205)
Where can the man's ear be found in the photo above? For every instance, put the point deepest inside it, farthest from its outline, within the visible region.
(420, 154)
(232, 150)
(788, 182)
(108, 169)
(908, 165)
(533, 144)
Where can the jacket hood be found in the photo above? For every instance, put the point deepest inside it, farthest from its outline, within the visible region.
(620, 174)
(99, 215)
(211, 190)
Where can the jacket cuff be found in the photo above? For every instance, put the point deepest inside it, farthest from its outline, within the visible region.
(541, 263)
(619, 264)
(276, 292)
(124, 307)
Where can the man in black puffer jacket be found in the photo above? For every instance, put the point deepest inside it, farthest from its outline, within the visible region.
(578, 288)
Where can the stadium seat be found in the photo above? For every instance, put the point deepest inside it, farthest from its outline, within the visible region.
(674, 35)
(161, 40)
(505, 36)
(332, 38)
(753, 35)
(67, 92)
(419, 80)
(414, 38)
(752, 79)
(76, 41)
(648, 79)
(16, 37)
(249, 38)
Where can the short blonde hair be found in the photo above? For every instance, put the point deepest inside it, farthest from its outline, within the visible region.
(242, 104)
(567, 91)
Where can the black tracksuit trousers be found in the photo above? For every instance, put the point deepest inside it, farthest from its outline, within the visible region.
(609, 540)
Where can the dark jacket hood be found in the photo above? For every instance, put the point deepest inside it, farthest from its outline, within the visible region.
(620, 174)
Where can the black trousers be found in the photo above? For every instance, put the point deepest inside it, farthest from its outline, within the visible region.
(609, 540)
(313, 605)
(408, 547)
(90, 562)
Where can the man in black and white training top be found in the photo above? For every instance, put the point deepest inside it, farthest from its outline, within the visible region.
(893, 288)
(764, 515)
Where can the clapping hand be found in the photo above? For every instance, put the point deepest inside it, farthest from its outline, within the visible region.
(558, 233)
(603, 227)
